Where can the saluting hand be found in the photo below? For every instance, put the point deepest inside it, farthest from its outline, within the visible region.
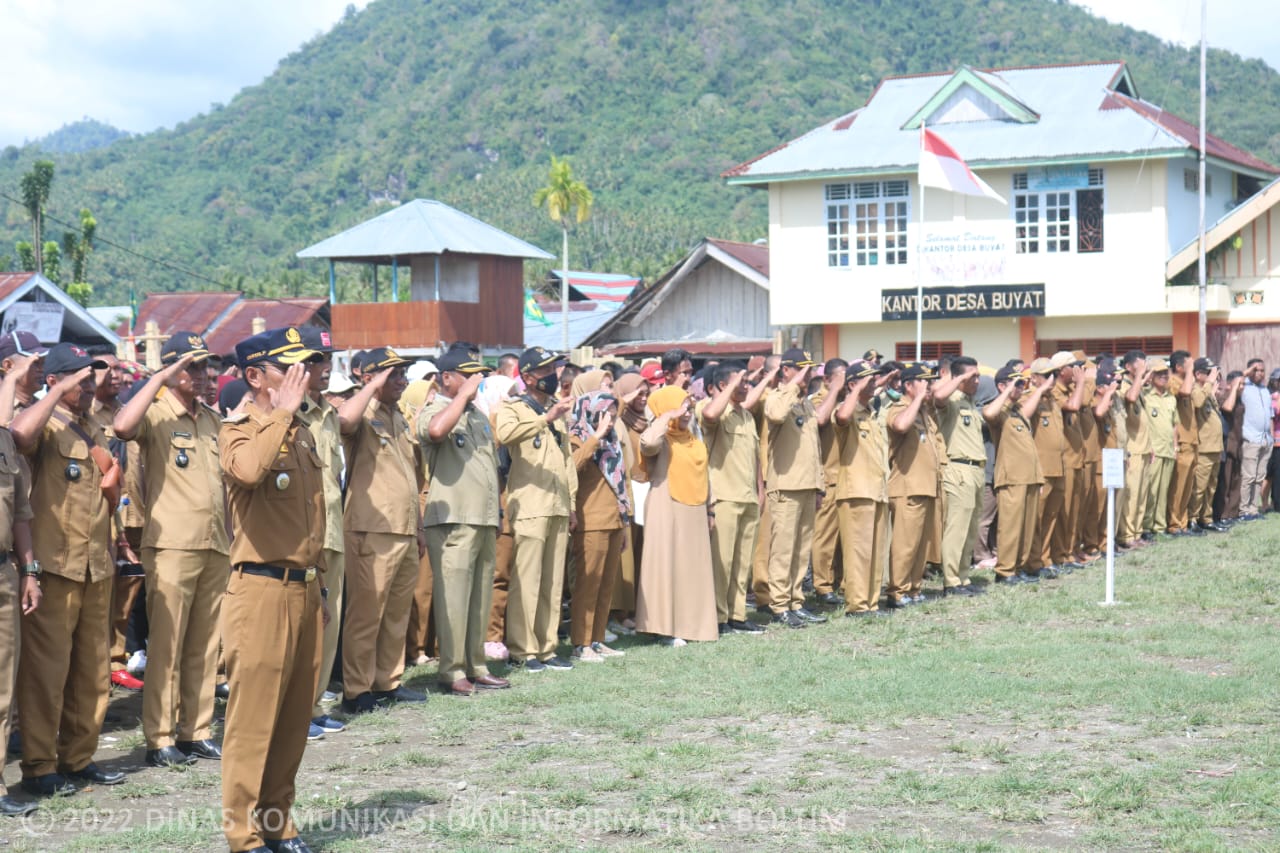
(293, 388)
(471, 387)
(21, 365)
(605, 424)
(171, 372)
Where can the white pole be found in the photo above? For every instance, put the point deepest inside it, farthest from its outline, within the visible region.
(1111, 546)
(564, 291)
(1203, 273)
(920, 261)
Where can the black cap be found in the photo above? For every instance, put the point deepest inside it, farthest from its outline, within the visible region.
(316, 338)
(871, 355)
(181, 343)
(535, 357)
(68, 358)
(859, 369)
(382, 358)
(461, 361)
(917, 370)
(1203, 365)
(21, 341)
(796, 357)
(1007, 373)
(231, 395)
(279, 346)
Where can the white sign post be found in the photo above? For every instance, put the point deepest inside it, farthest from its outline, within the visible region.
(1112, 479)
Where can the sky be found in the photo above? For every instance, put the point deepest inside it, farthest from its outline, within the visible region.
(144, 64)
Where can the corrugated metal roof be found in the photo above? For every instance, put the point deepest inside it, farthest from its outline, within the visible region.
(237, 323)
(421, 227)
(11, 281)
(192, 311)
(754, 255)
(1073, 125)
(599, 286)
(582, 324)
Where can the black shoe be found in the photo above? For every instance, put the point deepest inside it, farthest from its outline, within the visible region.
(891, 603)
(49, 785)
(222, 691)
(742, 626)
(863, 614)
(830, 599)
(975, 590)
(764, 610)
(789, 619)
(286, 845)
(961, 590)
(9, 807)
(1148, 536)
(1047, 573)
(362, 704)
(1218, 527)
(95, 775)
(809, 616)
(558, 662)
(723, 628)
(200, 749)
(169, 756)
(1193, 530)
(400, 694)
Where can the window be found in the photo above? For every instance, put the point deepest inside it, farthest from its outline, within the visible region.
(1151, 345)
(1191, 181)
(929, 350)
(1044, 219)
(878, 213)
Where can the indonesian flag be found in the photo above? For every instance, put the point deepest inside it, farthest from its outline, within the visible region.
(941, 166)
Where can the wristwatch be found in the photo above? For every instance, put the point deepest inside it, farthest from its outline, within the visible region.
(31, 570)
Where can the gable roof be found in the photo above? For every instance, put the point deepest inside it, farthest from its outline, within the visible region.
(77, 323)
(1226, 227)
(1085, 112)
(984, 84)
(224, 318)
(420, 227)
(194, 311)
(598, 286)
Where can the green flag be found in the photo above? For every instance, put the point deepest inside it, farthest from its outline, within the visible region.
(532, 311)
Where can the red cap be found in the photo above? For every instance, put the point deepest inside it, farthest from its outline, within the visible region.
(652, 372)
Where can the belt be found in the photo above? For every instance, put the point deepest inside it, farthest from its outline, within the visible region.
(280, 574)
(982, 464)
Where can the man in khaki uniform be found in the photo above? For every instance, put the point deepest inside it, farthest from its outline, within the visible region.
(1189, 397)
(1208, 447)
(764, 530)
(827, 553)
(382, 535)
(542, 490)
(1051, 447)
(461, 520)
(962, 477)
(1092, 496)
(64, 670)
(916, 454)
(1068, 397)
(1137, 448)
(185, 551)
(733, 466)
(861, 492)
(795, 482)
(273, 611)
(1018, 478)
(1162, 409)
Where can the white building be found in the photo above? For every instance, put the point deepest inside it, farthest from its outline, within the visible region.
(1102, 192)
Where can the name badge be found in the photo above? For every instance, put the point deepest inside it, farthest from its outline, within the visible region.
(282, 481)
(1044, 422)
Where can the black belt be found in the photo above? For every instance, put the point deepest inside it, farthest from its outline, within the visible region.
(982, 464)
(280, 574)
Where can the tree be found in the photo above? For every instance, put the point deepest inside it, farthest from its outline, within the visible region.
(563, 196)
(52, 262)
(77, 247)
(35, 195)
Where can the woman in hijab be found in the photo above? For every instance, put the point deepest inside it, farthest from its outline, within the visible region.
(592, 380)
(604, 513)
(632, 392)
(676, 596)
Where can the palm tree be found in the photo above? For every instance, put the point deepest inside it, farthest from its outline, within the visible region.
(564, 195)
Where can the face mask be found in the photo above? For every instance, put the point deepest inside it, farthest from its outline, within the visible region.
(548, 384)
(892, 394)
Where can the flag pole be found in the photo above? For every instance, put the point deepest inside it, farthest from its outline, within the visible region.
(920, 260)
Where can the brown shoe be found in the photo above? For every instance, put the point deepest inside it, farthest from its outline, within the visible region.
(491, 682)
(462, 687)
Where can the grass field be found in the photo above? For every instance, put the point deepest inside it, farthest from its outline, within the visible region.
(1030, 718)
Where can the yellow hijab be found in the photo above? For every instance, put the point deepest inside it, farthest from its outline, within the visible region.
(687, 473)
(587, 382)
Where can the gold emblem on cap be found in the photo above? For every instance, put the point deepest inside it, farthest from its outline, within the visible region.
(292, 336)
(194, 341)
(391, 353)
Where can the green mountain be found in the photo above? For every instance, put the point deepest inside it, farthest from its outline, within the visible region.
(465, 101)
(78, 136)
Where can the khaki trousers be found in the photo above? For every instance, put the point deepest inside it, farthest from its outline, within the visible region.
(420, 635)
(184, 598)
(1184, 477)
(1206, 483)
(962, 483)
(504, 553)
(533, 602)
(1052, 500)
(1091, 523)
(1018, 513)
(64, 675)
(382, 572)
(272, 651)
(124, 595)
(10, 646)
(864, 526)
(828, 571)
(732, 542)
(914, 520)
(791, 543)
(598, 556)
(760, 559)
(463, 556)
(1134, 507)
(1159, 475)
(1066, 539)
(1253, 473)
(335, 581)
(985, 547)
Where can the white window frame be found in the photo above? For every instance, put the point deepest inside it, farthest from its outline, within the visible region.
(867, 223)
(1045, 220)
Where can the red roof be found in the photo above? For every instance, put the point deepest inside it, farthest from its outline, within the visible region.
(1190, 134)
(184, 311)
(11, 281)
(753, 255)
(238, 322)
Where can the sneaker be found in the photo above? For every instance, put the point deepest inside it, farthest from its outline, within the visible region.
(919, 598)
(974, 590)
(809, 616)
(557, 662)
(530, 665)
(137, 664)
(742, 626)
(1049, 572)
(314, 732)
(618, 628)
(609, 636)
(328, 724)
(496, 651)
(606, 652)
(330, 696)
(672, 642)
(586, 654)
(961, 590)
(121, 678)
(789, 619)
(362, 704)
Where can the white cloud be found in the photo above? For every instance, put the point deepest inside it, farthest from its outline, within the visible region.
(142, 64)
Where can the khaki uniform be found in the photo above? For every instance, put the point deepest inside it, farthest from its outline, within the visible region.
(1018, 480)
(733, 457)
(597, 544)
(916, 458)
(1208, 457)
(185, 552)
(381, 522)
(1067, 534)
(127, 523)
(272, 626)
(1184, 464)
(321, 420)
(14, 507)
(461, 520)
(1137, 421)
(1092, 496)
(1161, 410)
(624, 591)
(542, 489)
(960, 422)
(63, 669)
(793, 478)
(861, 497)
(1051, 446)
(828, 571)
(764, 530)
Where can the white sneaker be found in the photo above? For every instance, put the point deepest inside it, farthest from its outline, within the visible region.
(586, 654)
(137, 664)
(496, 651)
(606, 652)
(610, 637)
(673, 642)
